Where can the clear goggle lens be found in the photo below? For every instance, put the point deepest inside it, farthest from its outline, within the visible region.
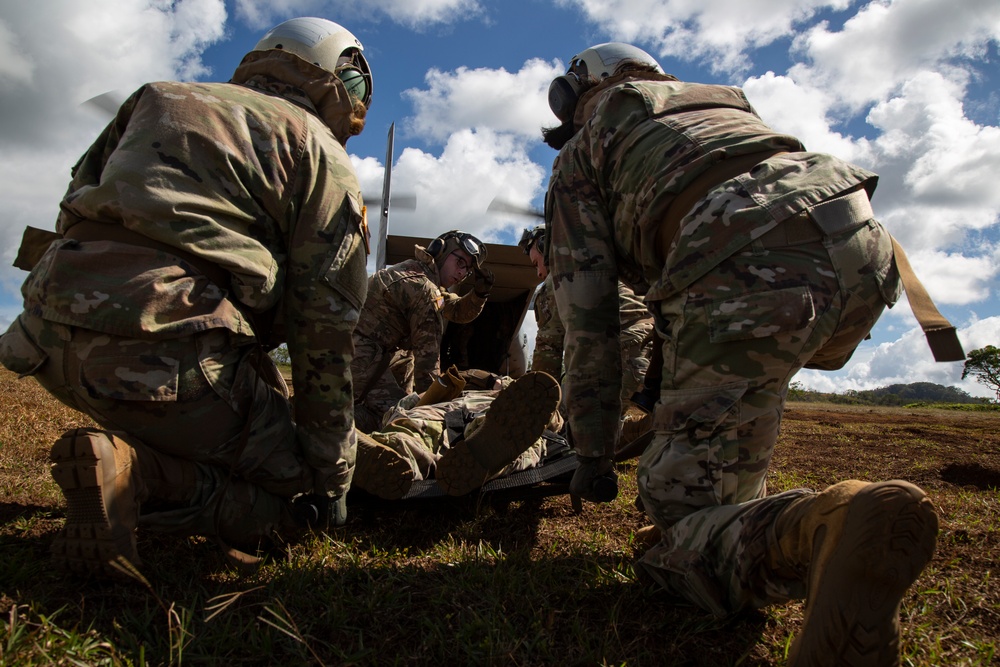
(474, 247)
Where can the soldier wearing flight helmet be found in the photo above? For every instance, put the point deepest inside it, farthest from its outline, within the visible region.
(208, 223)
(760, 258)
(405, 311)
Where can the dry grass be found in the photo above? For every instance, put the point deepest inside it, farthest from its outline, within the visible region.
(460, 583)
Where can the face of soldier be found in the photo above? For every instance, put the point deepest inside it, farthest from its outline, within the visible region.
(455, 268)
(539, 261)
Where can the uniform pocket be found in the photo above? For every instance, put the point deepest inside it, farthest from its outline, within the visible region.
(346, 271)
(761, 314)
(138, 377)
(692, 462)
(889, 284)
(18, 351)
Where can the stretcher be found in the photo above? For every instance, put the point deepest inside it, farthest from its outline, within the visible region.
(550, 478)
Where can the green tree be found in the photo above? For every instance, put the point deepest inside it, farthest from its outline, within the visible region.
(280, 355)
(984, 365)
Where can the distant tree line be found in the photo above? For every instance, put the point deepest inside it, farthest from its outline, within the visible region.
(894, 394)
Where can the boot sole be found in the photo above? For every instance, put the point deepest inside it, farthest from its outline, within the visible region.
(381, 471)
(89, 542)
(852, 618)
(514, 421)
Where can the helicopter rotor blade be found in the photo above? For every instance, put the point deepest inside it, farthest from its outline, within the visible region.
(499, 205)
(401, 202)
(107, 102)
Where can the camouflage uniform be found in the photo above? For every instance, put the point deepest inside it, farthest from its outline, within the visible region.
(740, 301)
(636, 327)
(421, 434)
(250, 181)
(405, 310)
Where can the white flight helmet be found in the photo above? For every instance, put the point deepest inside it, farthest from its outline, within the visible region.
(328, 45)
(597, 61)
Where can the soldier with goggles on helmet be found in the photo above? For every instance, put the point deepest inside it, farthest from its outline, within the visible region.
(196, 245)
(404, 313)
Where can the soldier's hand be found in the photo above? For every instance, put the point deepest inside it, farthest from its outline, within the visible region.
(321, 512)
(484, 281)
(595, 479)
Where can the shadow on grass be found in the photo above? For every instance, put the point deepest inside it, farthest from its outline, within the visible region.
(11, 511)
(971, 474)
(437, 583)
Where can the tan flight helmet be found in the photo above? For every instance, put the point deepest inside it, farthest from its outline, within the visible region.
(532, 237)
(325, 44)
(599, 62)
(451, 241)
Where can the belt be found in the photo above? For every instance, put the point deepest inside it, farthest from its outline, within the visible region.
(719, 172)
(828, 218)
(88, 230)
(262, 323)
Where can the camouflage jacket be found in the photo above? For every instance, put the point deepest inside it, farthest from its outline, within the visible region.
(406, 309)
(636, 325)
(250, 176)
(430, 423)
(639, 143)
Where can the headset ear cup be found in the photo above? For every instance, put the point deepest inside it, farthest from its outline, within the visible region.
(562, 98)
(435, 247)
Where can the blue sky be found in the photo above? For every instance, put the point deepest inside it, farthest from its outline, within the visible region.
(907, 88)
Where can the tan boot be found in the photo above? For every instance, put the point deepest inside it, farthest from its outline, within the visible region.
(862, 545)
(98, 474)
(381, 470)
(514, 421)
(635, 423)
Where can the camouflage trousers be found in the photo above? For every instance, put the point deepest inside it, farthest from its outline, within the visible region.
(215, 440)
(374, 396)
(422, 434)
(733, 341)
(635, 361)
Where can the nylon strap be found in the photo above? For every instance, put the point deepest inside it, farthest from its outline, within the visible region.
(941, 335)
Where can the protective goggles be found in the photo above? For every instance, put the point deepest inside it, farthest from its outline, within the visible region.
(473, 246)
(530, 237)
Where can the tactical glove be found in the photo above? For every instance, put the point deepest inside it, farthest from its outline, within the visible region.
(595, 479)
(484, 282)
(321, 512)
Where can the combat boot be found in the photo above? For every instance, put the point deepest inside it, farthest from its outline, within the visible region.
(98, 474)
(514, 421)
(636, 422)
(381, 470)
(859, 547)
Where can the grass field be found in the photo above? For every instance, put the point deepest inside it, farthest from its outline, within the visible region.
(464, 582)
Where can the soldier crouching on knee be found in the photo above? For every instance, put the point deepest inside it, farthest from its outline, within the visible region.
(183, 251)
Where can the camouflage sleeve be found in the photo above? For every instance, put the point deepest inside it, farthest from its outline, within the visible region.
(325, 287)
(464, 309)
(90, 166)
(637, 321)
(548, 354)
(585, 278)
(423, 303)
